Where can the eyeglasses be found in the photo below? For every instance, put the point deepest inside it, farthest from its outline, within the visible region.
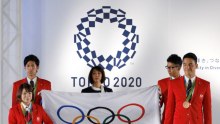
(170, 67)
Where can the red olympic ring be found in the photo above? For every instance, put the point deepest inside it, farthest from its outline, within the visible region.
(138, 105)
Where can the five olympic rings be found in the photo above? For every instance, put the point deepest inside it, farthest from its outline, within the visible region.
(107, 120)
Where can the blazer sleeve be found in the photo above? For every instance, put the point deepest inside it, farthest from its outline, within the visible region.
(46, 118)
(207, 107)
(169, 112)
(111, 90)
(11, 117)
(14, 92)
(49, 85)
(108, 89)
(161, 98)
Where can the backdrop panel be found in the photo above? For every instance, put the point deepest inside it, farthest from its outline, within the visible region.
(99, 30)
(163, 28)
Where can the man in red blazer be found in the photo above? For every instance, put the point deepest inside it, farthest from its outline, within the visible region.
(193, 107)
(31, 65)
(174, 63)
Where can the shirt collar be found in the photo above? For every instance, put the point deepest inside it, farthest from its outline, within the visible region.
(96, 89)
(171, 78)
(187, 79)
(99, 89)
(27, 108)
(35, 80)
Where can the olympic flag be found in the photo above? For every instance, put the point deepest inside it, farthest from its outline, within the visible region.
(139, 106)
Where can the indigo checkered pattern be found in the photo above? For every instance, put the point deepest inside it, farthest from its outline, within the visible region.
(114, 16)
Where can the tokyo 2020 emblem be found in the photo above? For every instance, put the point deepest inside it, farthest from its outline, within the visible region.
(131, 39)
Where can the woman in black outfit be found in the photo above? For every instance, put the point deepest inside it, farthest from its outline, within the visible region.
(96, 78)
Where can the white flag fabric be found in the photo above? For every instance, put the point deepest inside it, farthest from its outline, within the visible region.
(139, 106)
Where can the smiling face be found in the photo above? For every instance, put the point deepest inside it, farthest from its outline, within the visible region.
(31, 69)
(189, 67)
(26, 97)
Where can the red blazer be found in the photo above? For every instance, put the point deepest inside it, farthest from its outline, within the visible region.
(41, 85)
(163, 84)
(199, 112)
(39, 115)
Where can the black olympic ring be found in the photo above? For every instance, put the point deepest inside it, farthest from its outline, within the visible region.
(113, 117)
(107, 118)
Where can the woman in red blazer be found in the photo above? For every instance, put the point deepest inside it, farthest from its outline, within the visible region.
(27, 112)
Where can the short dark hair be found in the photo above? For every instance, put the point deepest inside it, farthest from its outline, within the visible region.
(191, 56)
(31, 58)
(100, 69)
(175, 59)
(27, 87)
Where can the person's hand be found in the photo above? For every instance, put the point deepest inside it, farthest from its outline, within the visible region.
(160, 96)
(160, 93)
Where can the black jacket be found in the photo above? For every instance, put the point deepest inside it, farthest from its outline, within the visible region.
(90, 90)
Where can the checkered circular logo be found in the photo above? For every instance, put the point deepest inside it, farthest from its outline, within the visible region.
(96, 17)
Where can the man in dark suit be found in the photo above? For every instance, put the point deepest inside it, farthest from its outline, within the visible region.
(174, 63)
(189, 97)
(31, 65)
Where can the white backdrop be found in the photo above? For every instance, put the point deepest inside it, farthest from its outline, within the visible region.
(164, 27)
(10, 52)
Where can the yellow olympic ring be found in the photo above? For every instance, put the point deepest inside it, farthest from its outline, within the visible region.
(75, 119)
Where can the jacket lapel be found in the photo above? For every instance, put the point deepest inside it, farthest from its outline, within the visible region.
(34, 112)
(20, 110)
(182, 86)
(39, 85)
(197, 83)
(25, 80)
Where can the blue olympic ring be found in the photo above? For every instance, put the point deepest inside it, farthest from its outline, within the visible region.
(112, 116)
(70, 106)
(97, 16)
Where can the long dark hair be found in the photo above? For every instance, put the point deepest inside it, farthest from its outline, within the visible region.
(100, 69)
